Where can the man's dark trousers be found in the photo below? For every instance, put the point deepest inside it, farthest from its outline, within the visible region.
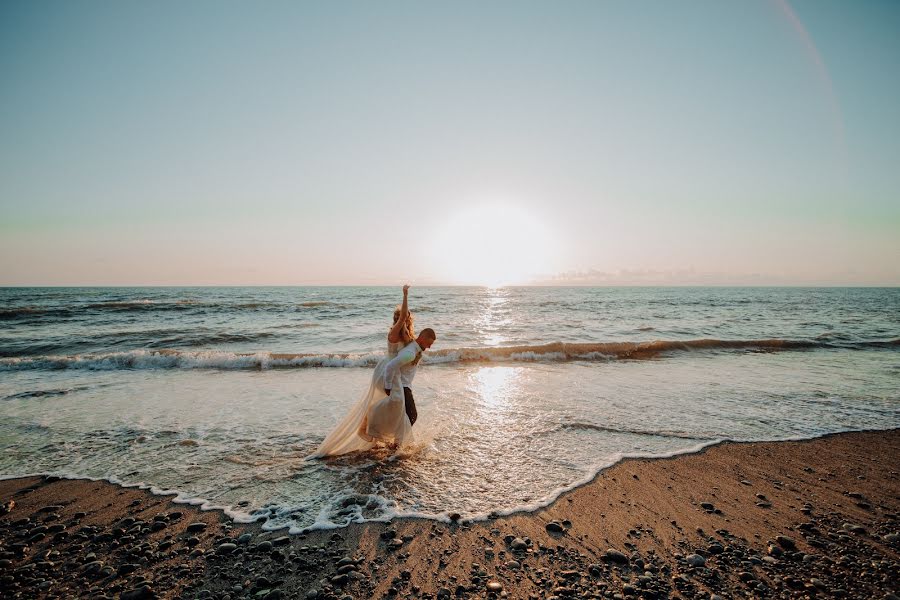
(410, 405)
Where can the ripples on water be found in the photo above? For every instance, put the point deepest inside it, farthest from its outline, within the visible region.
(529, 392)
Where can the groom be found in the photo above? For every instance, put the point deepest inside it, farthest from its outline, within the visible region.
(402, 369)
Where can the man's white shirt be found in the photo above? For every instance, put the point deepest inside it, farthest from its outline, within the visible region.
(401, 369)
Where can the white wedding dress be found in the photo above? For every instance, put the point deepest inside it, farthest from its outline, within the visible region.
(376, 417)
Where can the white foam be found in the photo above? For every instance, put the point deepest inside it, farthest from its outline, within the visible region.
(385, 509)
(149, 359)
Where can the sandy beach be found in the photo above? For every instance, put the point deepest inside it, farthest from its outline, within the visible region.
(815, 518)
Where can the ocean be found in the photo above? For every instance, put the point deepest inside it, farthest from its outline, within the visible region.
(218, 394)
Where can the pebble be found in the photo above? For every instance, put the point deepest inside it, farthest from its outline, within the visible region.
(854, 528)
(195, 527)
(695, 560)
(518, 545)
(141, 593)
(281, 541)
(244, 539)
(226, 548)
(615, 556)
(786, 542)
(495, 587)
(554, 527)
(707, 506)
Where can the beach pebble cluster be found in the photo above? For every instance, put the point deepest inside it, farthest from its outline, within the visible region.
(126, 544)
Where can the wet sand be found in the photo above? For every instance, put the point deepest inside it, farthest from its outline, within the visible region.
(815, 518)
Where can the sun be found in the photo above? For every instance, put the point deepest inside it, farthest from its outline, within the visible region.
(492, 245)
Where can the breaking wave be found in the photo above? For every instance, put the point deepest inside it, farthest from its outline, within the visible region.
(555, 352)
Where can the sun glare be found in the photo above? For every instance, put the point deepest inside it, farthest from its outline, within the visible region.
(493, 245)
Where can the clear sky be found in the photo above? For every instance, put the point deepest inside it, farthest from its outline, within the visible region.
(697, 142)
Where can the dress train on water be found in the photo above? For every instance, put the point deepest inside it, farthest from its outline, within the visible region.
(376, 417)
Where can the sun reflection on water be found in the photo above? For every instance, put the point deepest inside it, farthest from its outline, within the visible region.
(494, 317)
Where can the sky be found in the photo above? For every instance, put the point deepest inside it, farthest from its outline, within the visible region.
(375, 143)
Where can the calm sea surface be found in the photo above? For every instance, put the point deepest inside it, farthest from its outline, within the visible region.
(218, 394)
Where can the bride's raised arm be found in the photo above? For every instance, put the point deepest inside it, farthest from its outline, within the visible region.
(394, 334)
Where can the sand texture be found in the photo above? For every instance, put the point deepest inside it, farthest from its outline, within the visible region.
(810, 519)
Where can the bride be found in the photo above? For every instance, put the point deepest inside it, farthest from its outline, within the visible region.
(380, 414)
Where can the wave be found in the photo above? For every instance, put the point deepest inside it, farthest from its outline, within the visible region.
(147, 339)
(555, 352)
(581, 426)
(44, 393)
(29, 312)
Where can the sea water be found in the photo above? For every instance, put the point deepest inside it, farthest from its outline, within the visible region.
(219, 394)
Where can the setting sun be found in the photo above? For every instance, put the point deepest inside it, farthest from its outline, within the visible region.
(493, 245)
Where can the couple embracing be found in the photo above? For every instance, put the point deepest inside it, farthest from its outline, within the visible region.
(387, 411)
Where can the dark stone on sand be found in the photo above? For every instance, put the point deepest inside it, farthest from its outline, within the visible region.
(455, 517)
(195, 527)
(786, 542)
(127, 568)
(340, 579)
(192, 541)
(141, 593)
(715, 548)
(226, 548)
(615, 556)
(158, 526)
(854, 528)
(264, 546)
(554, 527)
(245, 538)
(707, 506)
(518, 545)
(281, 541)
(92, 567)
(695, 560)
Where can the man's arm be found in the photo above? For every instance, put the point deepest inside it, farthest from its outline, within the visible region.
(392, 370)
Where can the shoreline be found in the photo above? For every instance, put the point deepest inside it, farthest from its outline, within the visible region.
(638, 528)
(204, 504)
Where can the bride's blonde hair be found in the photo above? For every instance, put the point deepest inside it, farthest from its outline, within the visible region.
(408, 332)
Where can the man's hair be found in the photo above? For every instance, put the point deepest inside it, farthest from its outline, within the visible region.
(429, 333)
